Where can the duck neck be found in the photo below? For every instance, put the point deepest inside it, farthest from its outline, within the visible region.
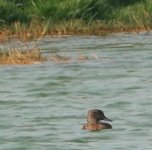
(92, 121)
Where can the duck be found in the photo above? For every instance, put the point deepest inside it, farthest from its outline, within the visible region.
(94, 121)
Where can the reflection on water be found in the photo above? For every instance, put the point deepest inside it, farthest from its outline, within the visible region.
(44, 106)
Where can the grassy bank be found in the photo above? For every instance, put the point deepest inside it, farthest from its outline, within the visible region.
(30, 18)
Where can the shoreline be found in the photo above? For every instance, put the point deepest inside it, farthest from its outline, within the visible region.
(31, 19)
(76, 27)
(27, 36)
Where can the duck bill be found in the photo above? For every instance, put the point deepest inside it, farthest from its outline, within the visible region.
(107, 119)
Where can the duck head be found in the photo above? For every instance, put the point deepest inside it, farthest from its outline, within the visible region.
(95, 115)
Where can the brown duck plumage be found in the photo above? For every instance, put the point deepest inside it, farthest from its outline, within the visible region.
(93, 121)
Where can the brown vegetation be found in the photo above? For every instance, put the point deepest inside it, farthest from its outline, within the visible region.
(16, 56)
(33, 56)
(73, 27)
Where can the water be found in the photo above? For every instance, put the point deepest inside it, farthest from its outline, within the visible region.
(44, 106)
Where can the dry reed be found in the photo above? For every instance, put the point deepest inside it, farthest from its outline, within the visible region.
(59, 59)
(17, 56)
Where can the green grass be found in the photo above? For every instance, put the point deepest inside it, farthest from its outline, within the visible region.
(111, 13)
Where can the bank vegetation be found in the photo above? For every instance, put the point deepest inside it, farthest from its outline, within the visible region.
(28, 19)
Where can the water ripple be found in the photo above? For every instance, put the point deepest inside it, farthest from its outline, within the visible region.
(45, 106)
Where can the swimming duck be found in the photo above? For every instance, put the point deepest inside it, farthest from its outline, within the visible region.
(93, 121)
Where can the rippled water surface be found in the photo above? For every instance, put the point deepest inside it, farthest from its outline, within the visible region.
(43, 106)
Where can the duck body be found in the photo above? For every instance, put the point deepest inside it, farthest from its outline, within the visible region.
(94, 123)
(96, 126)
